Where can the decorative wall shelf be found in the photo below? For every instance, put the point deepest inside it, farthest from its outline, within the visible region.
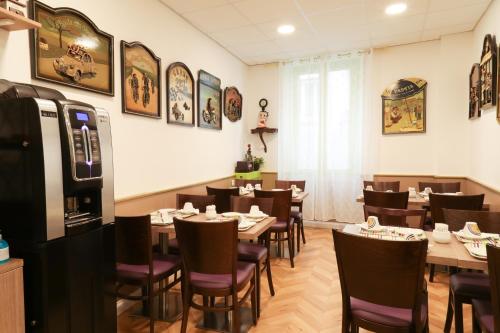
(261, 131)
(12, 22)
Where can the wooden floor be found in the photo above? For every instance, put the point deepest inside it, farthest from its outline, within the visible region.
(308, 297)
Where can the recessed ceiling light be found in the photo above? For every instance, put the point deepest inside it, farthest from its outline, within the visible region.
(286, 29)
(396, 8)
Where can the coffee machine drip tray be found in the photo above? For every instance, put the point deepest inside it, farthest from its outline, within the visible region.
(80, 223)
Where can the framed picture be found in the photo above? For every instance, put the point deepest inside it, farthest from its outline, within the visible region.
(209, 101)
(141, 85)
(180, 95)
(475, 92)
(233, 103)
(403, 107)
(69, 49)
(488, 68)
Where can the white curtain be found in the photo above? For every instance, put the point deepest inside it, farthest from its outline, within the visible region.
(321, 133)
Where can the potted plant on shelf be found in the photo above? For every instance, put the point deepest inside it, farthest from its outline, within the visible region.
(257, 162)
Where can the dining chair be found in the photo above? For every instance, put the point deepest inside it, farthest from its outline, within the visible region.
(222, 197)
(396, 217)
(382, 186)
(395, 200)
(211, 269)
(439, 201)
(284, 224)
(199, 202)
(137, 266)
(244, 182)
(260, 253)
(486, 313)
(296, 215)
(382, 284)
(465, 286)
(438, 187)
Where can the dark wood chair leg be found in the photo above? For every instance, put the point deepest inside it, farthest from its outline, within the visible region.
(449, 313)
(236, 313)
(151, 298)
(269, 276)
(459, 320)
(290, 246)
(297, 223)
(257, 286)
(278, 243)
(431, 273)
(186, 304)
(476, 328)
(303, 233)
(253, 299)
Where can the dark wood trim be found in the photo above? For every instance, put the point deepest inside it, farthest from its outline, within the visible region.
(193, 102)
(123, 46)
(261, 131)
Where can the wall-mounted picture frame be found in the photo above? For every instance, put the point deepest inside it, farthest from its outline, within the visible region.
(180, 95)
(233, 104)
(141, 84)
(69, 49)
(489, 71)
(209, 101)
(475, 91)
(403, 107)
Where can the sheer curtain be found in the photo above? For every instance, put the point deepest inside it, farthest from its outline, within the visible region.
(321, 133)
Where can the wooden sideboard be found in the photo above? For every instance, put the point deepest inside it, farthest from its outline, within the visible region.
(12, 297)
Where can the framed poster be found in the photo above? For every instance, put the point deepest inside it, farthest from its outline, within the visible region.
(69, 49)
(233, 103)
(488, 68)
(180, 95)
(141, 86)
(403, 107)
(475, 92)
(209, 101)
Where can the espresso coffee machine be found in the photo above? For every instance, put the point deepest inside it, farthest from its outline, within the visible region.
(57, 207)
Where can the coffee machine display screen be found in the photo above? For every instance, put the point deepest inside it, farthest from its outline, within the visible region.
(82, 116)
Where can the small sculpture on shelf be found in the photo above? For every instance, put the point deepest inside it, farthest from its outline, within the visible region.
(263, 114)
(248, 155)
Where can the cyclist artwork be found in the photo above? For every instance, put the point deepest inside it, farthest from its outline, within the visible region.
(140, 80)
(209, 101)
(180, 95)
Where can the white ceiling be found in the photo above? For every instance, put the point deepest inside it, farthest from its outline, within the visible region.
(247, 28)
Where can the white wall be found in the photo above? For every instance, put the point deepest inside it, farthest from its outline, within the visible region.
(149, 154)
(484, 133)
(263, 82)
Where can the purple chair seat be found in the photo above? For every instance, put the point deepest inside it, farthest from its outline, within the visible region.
(162, 267)
(484, 314)
(296, 215)
(251, 252)
(385, 315)
(471, 284)
(245, 271)
(279, 226)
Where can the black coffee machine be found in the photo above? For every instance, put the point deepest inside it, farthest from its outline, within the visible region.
(57, 207)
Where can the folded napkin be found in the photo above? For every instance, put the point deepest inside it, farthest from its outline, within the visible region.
(476, 249)
(245, 225)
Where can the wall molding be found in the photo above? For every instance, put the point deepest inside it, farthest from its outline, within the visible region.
(148, 194)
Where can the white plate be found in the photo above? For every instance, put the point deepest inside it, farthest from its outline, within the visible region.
(166, 210)
(188, 212)
(257, 216)
(379, 228)
(231, 214)
(245, 226)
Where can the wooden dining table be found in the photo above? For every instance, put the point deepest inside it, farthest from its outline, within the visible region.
(419, 201)
(296, 201)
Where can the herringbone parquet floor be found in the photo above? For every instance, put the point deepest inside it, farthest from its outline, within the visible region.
(308, 297)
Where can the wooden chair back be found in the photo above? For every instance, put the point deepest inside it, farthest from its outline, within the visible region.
(397, 200)
(282, 203)
(208, 248)
(222, 197)
(199, 201)
(389, 273)
(382, 186)
(463, 202)
(287, 184)
(244, 182)
(486, 221)
(493, 254)
(440, 187)
(133, 240)
(396, 217)
(243, 204)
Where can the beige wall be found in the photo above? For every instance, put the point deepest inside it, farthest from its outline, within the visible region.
(149, 155)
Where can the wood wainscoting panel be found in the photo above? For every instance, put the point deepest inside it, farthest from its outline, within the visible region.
(268, 179)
